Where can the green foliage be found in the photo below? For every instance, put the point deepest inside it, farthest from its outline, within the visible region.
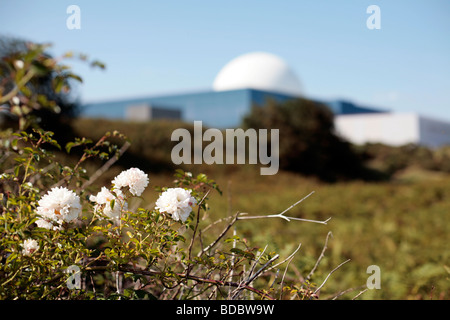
(391, 160)
(308, 144)
(142, 253)
(400, 225)
(150, 141)
(38, 88)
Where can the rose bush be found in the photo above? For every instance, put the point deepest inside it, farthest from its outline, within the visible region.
(51, 223)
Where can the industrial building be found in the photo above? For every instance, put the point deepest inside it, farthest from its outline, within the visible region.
(252, 79)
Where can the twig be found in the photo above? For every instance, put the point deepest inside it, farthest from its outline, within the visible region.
(360, 293)
(284, 275)
(323, 283)
(241, 287)
(254, 265)
(290, 257)
(181, 275)
(216, 222)
(255, 262)
(195, 232)
(118, 286)
(27, 77)
(106, 166)
(340, 293)
(322, 254)
(235, 218)
(282, 216)
(233, 258)
(276, 276)
(263, 267)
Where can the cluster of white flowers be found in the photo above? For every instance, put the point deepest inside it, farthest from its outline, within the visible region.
(29, 246)
(103, 201)
(176, 201)
(135, 179)
(57, 206)
(61, 205)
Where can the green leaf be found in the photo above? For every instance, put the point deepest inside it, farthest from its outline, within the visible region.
(237, 251)
(16, 171)
(39, 68)
(74, 76)
(58, 83)
(11, 257)
(99, 64)
(14, 143)
(69, 146)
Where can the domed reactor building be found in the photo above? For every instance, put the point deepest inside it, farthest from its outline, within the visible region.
(253, 79)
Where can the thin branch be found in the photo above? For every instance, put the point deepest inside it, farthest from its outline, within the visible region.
(241, 287)
(340, 293)
(216, 222)
(183, 275)
(235, 218)
(323, 283)
(282, 216)
(255, 263)
(233, 260)
(263, 267)
(292, 206)
(27, 77)
(360, 293)
(322, 254)
(290, 257)
(284, 275)
(44, 170)
(195, 232)
(105, 166)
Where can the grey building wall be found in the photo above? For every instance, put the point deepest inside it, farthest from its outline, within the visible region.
(147, 112)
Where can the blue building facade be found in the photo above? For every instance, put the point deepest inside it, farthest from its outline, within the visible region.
(220, 109)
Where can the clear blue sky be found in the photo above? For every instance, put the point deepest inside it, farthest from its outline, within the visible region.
(154, 47)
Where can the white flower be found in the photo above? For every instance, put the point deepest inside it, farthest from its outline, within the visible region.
(47, 224)
(133, 178)
(18, 64)
(15, 100)
(29, 246)
(103, 203)
(57, 206)
(176, 201)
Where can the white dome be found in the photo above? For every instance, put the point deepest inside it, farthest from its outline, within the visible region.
(258, 70)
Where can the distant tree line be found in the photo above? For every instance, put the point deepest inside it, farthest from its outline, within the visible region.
(308, 142)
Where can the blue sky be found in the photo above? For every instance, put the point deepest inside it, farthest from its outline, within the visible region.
(158, 47)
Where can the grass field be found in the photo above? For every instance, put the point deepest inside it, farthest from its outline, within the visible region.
(402, 226)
